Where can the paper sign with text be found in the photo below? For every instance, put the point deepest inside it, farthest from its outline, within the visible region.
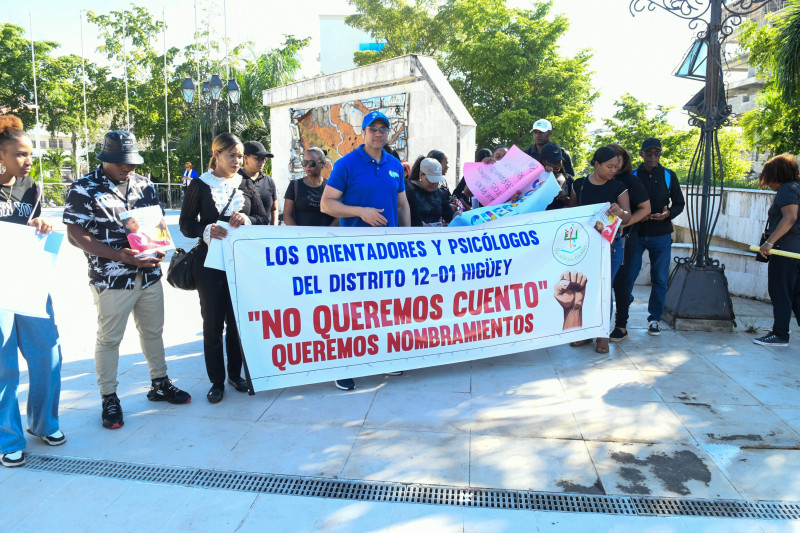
(316, 304)
(496, 183)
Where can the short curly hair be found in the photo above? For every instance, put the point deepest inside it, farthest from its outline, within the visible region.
(779, 170)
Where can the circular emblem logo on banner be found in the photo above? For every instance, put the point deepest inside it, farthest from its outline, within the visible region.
(570, 244)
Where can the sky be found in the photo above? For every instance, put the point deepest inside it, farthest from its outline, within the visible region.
(635, 55)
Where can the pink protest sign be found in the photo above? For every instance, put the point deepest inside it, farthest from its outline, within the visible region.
(495, 183)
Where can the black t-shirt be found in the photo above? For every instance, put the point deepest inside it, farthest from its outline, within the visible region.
(588, 193)
(788, 194)
(428, 207)
(17, 202)
(637, 194)
(306, 203)
(266, 190)
(556, 203)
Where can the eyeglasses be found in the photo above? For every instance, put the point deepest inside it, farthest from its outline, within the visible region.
(652, 153)
(309, 163)
(259, 157)
(382, 129)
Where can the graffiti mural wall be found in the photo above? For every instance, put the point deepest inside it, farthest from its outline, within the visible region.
(336, 129)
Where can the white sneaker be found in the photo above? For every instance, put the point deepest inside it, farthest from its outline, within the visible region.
(54, 439)
(12, 459)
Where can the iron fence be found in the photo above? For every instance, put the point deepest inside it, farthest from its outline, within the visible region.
(55, 194)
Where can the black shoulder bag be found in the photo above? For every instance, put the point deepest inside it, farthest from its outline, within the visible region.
(179, 272)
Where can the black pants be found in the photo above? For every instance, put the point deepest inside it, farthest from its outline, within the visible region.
(622, 294)
(217, 312)
(784, 291)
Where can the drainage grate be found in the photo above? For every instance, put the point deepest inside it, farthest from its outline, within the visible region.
(385, 491)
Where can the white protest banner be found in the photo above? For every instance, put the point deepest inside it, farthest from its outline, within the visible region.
(320, 303)
(31, 259)
(496, 183)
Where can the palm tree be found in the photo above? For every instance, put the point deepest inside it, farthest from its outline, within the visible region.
(57, 160)
(788, 60)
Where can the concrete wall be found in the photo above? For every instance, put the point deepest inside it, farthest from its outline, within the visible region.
(436, 117)
(741, 221)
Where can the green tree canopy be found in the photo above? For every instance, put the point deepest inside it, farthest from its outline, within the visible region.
(502, 62)
(774, 125)
(634, 121)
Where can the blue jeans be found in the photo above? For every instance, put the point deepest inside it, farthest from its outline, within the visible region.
(659, 249)
(617, 253)
(37, 339)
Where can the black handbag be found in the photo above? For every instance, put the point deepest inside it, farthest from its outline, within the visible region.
(762, 240)
(179, 272)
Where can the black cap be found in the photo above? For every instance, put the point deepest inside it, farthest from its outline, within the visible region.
(120, 147)
(551, 152)
(256, 148)
(651, 142)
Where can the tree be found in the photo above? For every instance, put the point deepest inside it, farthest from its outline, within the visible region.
(788, 57)
(634, 121)
(503, 63)
(774, 125)
(58, 159)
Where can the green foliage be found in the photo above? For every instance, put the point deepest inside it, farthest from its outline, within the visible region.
(788, 55)
(774, 125)
(634, 121)
(503, 63)
(58, 159)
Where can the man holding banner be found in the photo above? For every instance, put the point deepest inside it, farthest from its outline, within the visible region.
(367, 187)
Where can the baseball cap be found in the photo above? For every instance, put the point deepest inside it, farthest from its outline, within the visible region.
(369, 118)
(256, 148)
(432, 170)
(551, 152)
(651, 142)
(542, 125)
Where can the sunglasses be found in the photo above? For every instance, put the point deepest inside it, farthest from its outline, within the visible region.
(382, 129)
(309, 163)
(259, 157)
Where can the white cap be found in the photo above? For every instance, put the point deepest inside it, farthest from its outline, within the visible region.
(542, 125)
(432, 170)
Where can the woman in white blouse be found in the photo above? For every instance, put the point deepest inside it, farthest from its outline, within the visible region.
(219, 194)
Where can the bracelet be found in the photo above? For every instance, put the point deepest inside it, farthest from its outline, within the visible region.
(767, 242)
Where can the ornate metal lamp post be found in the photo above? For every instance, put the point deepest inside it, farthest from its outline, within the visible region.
(698, 288)
(210, 96)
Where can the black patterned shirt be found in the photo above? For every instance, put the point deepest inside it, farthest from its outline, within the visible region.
(94, 203)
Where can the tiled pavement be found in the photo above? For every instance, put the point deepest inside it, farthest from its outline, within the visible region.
(684, 415)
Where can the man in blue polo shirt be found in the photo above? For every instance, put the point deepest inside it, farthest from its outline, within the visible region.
(367, 188)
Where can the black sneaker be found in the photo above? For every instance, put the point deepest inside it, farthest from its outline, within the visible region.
(112, 412)
(13, 459)
(654, 329)
(771, 340)
(345, 384)
(162, 390)
(617, 335)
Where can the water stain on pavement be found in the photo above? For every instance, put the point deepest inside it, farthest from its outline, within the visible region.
(750, 437)
(672, 471)
(569, 486)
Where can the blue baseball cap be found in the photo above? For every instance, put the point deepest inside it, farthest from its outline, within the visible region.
(369, 118)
